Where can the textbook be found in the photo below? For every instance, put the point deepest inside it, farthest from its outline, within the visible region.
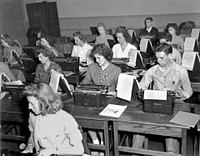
(113, 110)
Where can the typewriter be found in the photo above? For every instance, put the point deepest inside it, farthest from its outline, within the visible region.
(68, 63)
(158, 106)
(90, 95)
(14, 90)
(121, 62)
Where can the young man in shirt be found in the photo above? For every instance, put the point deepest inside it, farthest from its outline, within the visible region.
(167, 75)
(150, 31)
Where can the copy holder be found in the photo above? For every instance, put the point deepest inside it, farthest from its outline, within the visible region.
(196, 34)
(146, 48)
(190, 44)
(127, 88)
(193, 67)
(58, 80)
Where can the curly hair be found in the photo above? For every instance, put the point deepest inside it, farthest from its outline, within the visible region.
(173, 25)
(44, 51)
(125, 33)
(166, 48)
(8, 39)
(80, 35)
(49, 101)
(103, 50)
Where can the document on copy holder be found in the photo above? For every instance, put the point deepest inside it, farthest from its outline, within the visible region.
(113, 110)
(125, 86)
(188, 59)
(186, 119)
(155, 94)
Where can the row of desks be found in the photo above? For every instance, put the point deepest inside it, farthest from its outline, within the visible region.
(132, 120)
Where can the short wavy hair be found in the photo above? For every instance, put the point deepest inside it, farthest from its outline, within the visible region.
(103, 50)
(100, 24)
(125, 33)
(44, 51)
(49, 101)
(166, 48)
(149, 18)
(173, 25)
(8, 39)
(80, 35)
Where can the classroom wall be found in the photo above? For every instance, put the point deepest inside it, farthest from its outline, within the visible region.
(12, 20)
(81, 14)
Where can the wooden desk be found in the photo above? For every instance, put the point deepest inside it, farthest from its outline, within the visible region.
(14, 123)
(89, 118)
(136, 121)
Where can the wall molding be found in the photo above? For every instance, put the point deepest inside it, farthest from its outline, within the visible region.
(70, 25)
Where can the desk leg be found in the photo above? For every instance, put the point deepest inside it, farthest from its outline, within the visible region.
(106, 137)
(199, 143)
(115, 130)
(184, 142)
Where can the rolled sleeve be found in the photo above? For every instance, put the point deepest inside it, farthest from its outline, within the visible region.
(185, 86)
(146, 80)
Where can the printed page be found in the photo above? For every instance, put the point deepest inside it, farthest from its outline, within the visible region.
(125, 86)
(155, 94)
(189, 44)
(143, 45)
(54, 81)
(18, 82)
(188, 60)
(195, 33)
(186, 119)
(113, 110)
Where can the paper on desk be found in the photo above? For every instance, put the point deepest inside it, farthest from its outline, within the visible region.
(188, 59)
(189, 44)
(186, 119)
(125, 86)
(143, 45)
(113, 110)
(155, 94)
(18, 82)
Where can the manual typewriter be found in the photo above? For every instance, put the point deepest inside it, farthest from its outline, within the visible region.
(158, 106)
(68, 63)
(121, 62)
(90, 95)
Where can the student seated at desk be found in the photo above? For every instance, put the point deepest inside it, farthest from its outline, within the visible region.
(103, 37)
(102, 73)
(175, 55)
(53, 131)
(123, 48)
(177, 41)
(43, 70)
(9, 45)
(166, 75)
(150, 31)
(45, 41)
(82, 50)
